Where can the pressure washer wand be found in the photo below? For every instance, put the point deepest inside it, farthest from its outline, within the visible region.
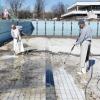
(72, 48)
(69, 53)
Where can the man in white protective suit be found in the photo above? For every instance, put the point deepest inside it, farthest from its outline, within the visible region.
(17, 41)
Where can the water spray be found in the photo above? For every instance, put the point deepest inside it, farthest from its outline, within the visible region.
(69, 54)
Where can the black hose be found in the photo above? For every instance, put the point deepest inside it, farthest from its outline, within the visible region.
(88, 83)
(98, 84)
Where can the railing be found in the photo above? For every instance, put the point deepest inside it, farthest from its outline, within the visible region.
(62, 28)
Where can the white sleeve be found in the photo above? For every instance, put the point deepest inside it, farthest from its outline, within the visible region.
(80, 39)
(18, 33)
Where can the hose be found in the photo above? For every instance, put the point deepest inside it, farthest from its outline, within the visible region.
(98, 84)
(88, 83)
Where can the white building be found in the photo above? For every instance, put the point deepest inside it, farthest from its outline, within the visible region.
(89, 10)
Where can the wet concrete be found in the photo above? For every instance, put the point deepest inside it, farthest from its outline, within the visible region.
(24, 71)
(27, 71)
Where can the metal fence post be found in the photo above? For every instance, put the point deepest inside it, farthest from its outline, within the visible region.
(45, 28)
(37, 27)
(71, 28)
(54, 29)
(62, 28)
(89, 22)
(97, 27)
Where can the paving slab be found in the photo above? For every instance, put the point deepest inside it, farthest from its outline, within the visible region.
(65, 87)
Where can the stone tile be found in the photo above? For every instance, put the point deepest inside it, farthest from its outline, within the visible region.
(65, 87)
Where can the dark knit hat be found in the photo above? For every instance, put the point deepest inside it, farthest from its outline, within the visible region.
(81, 21)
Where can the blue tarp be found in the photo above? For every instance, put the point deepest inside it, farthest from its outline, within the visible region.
(5, 29)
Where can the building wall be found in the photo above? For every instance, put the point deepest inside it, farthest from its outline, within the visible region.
(75, 17)
(82, 8)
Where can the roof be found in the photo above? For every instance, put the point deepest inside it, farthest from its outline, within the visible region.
(83, 4)
(80, 12)
(74, 12)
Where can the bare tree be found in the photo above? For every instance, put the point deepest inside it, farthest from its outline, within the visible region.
(48, 15)
(39, 9)
(15, 5)
(25, 13)
(58, 10)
